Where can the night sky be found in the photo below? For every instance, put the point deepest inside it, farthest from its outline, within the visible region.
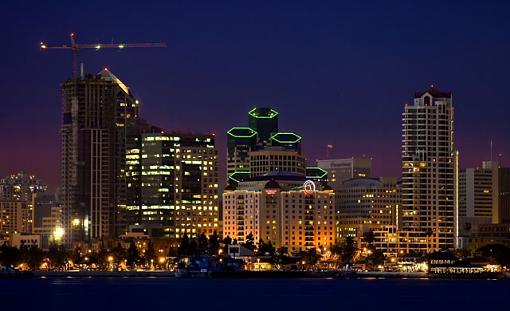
(338, 72)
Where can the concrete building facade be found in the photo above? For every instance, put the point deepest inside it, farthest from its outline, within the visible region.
(285, 210)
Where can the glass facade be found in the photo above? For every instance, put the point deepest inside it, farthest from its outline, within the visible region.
(179, 184)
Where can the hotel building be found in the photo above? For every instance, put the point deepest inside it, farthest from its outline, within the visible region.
(282, 209)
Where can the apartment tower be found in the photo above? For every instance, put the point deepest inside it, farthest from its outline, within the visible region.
(429, 169)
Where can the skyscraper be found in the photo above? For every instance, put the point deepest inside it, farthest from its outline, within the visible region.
(129, 202)
(97, 112)
(429, 169)
(179, 184)
(478, 192)
(261, 144)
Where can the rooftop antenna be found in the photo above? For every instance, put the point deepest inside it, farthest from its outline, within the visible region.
(328, 147)
(491, 149)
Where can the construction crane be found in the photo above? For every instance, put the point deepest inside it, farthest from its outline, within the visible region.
(75, 47)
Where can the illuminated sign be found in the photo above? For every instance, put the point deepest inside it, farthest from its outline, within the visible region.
(309, 187)
(271, 191)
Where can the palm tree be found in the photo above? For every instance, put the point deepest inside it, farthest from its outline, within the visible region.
(150, 254)
(133, 256)
(249, 242)
(348, 250)
(214, 244)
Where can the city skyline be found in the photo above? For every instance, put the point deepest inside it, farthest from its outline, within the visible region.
(339, 72)
(312, 153)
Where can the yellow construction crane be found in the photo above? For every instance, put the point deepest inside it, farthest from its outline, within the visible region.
(75, 47)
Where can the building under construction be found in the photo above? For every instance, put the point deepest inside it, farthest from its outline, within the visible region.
(99, 118)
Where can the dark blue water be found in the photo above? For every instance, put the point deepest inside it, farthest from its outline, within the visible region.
(154, 294)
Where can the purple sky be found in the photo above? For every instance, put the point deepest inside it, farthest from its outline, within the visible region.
(338, 72)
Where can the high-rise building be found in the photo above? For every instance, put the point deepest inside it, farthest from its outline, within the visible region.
(340, 170)
(16, 206)
(484, 205)
(129, 202)
(366, 204)
(261, 139)
(97, 115)
(429, 169)
(502, 213)
(282, 209)
(478, 192)
(179, 184)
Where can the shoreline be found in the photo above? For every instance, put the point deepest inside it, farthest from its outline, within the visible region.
(248, 274)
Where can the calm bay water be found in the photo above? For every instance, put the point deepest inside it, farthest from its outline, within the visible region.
(251, 294)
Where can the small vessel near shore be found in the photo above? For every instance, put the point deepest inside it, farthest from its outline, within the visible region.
(6, 272)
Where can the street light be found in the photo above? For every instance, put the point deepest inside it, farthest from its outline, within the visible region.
(76, 222)
(58, 233)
